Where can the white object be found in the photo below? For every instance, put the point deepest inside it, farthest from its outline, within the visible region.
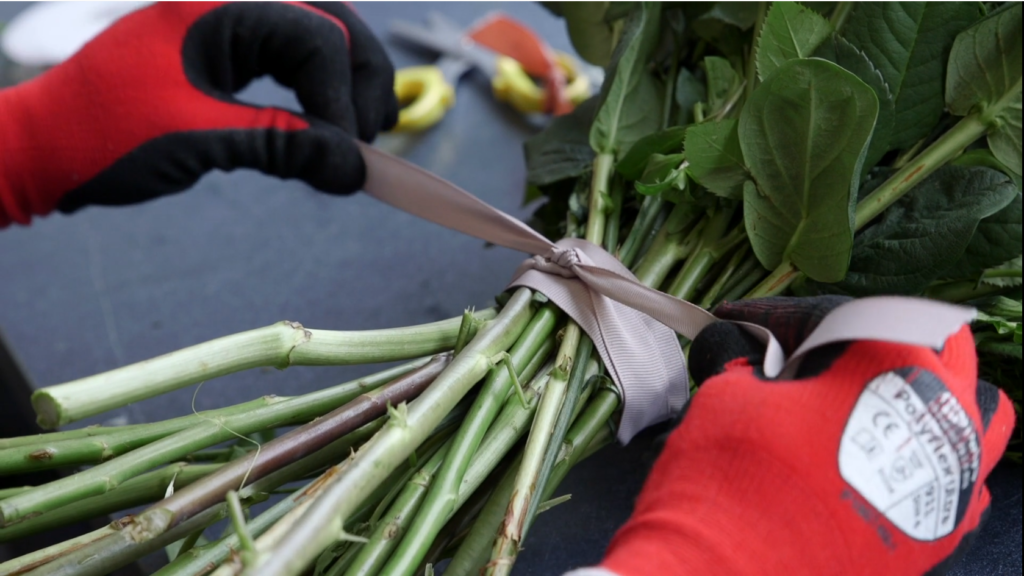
(591, 572)
(911, 451)
(48, 33)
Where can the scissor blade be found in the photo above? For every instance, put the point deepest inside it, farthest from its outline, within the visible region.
(441, 24)
(448, 44)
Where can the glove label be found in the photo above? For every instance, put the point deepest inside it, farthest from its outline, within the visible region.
(912, 452)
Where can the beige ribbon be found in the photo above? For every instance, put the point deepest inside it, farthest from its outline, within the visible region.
(631, 324)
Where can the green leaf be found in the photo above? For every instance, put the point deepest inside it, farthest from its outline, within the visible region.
(909, 42)
(790, 31)
(618, 11)
(1002, 306)
(723, 81)
(1002, 348)
(915, 239)
(840, 51)
(984, 157)
(1005, 140)
(689, 91)
(563, 149)
(985, 75)
(715, 157)
(997, 276)
(549, 217)
(592, 33)
(635, 161)
(804, 133)
(742, 15)
(724, 25)
(631, 96)
(1001, 325)
(997, 240)
(662, 173)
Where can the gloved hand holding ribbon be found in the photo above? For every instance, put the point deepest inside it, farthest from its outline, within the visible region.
(871, 459)
(148, 107)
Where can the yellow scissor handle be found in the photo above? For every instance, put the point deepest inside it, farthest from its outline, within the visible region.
(425, 95)
(513, 85)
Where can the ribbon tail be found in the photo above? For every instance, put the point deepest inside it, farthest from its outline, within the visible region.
(418, 192)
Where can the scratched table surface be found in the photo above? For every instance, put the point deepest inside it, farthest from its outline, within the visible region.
(108, 287)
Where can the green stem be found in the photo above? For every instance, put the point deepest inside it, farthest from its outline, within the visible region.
(396, 522)
(120, 551)
(106, 553)
(650, 208)
(839, 14)
(580, 374)
(599, 184)
(302, 441)
(320, 525)
(107, 476)
(466, 331)
(507, 546)
(280, 345)
(589, 433)
(189, 542)
(910, 153)
(714, 243)
(946, 148)
(441, 499)
(241, 530)
(87, 432)
(943, 150)
(8, 492)
(455, 529)
(200, 560)
(379, 500)
(475, 550)
(674, 241)
(962, 291)
(144, 489)
(508, 427)
(51, 451)
(777, 282)
(33, 560)
(723, 279)
(670, 83)
(749, 274)
(611, 234)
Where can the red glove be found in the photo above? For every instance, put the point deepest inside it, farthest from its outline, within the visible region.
(147, 107)
(871, 461)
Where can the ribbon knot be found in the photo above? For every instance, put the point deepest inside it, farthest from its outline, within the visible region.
(560, 261)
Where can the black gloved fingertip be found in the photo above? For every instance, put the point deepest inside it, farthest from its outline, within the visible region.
(719, 344)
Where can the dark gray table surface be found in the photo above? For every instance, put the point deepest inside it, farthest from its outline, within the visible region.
(107, 287)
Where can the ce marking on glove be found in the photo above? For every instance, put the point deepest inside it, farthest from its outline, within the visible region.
(907, 451)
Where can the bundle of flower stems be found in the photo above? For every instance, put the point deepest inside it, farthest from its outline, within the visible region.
(449, 458)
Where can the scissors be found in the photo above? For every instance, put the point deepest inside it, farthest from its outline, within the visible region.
(429, 90)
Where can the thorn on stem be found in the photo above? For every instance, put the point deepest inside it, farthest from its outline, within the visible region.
(506, 359)
(467, 329)
(399, 415)
(549, 504)
(346, 537)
